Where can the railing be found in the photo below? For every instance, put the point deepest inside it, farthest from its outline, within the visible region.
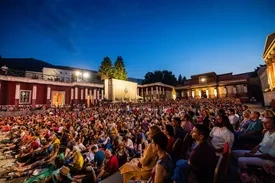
(37, 75)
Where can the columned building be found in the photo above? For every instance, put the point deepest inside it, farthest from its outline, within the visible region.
(155, 91)
(52, 86)
(269, 59)
(211, 85)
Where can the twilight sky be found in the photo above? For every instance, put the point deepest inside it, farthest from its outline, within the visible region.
(185, 36)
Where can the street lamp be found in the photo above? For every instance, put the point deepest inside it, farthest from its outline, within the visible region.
(77, 73)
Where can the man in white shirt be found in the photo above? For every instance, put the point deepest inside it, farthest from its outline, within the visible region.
(233, 118)
(129, 145)
(222, 133)
(264, 153)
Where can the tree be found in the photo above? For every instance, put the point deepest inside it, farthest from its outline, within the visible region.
(105, 69)
(119, 71)
(180, 81)
(166, 77)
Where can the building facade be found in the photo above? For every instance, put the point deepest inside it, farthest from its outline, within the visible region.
(269, 59)
(58, 85)
(20, 88)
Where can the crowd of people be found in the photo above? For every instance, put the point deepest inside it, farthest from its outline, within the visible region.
(153, 142)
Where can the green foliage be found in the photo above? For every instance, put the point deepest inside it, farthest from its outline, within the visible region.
(181, 80)
(166, 77)
(105, 69)
(119, 71)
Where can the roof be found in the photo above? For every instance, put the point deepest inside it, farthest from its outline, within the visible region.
(268, 43)
(204, 74)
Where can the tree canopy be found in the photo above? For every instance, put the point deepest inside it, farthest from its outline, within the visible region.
(105, 69)
(181, 80)
(165, 76)
(119, 71)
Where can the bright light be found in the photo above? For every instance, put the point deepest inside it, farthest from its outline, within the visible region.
(86, 75)
(203, 79)
(77, 73)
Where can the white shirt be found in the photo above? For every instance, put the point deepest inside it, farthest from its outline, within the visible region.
(220, 136)
(233, 119)
(268, 144)
(129, 144)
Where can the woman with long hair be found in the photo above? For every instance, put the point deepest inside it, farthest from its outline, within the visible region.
(140, 169)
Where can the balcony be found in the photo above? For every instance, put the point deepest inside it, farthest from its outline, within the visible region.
(94, 78)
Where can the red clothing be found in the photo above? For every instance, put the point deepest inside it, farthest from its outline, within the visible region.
(112, 166)
(170, 144)
(35, 145)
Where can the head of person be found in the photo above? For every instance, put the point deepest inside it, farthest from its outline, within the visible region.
(255, 115)
(221, 112)
(125, 139)
(223, 121)
(159, 142)
(63, 173)
(94, 148)
(269, 113)
(176, 122)
(200, 132)
(230, 111)
(169, 130)
(246, 114)
(205, 112)
(153, 130)
(120, 145)
(269, 123)
(244, 107)
(108, 153)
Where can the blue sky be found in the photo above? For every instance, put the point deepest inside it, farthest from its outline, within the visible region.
(186, 37)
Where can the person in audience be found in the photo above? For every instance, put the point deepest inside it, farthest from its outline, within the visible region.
(179, 132)
(245, 122)
(169, 132)
(233, 118)
(264, 153)
(187, 123)
(109, 167)
(122, 154)
(98, 156)
(206, 120)
(253, 133)
(163, 170)
(78, 161)
(223, 132)
(140, 169)
(202, 159)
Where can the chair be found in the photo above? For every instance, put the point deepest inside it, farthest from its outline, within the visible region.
(217, 170)
(221, 169)
(226, 158)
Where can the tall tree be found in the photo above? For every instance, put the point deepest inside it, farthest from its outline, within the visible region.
(105, 69)
(180, 81)
(166, 77)
(119, 71)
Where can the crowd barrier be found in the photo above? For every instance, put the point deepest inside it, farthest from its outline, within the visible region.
(21, 113)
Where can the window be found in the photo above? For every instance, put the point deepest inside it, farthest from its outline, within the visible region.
(25, 97)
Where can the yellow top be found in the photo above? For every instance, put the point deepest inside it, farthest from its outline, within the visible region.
(78, 160)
